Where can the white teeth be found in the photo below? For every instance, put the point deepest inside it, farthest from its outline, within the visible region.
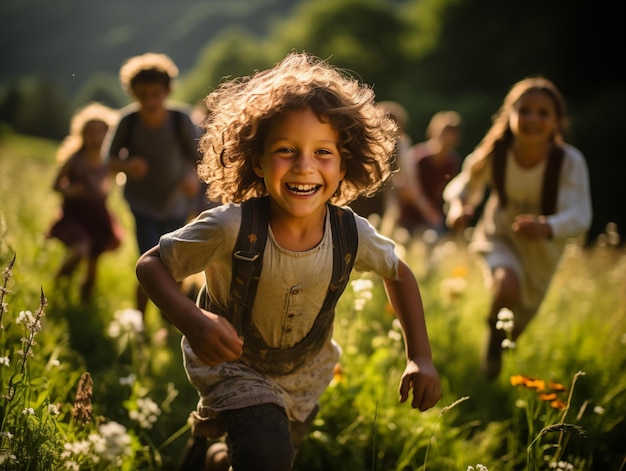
(303, 188)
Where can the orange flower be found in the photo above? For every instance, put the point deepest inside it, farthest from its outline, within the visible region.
(538, 384)
(517, 380)
(337, 373)
(548, 396)
(558, 404)
(460, 272)
(389, 310)
(557, 387)
(528, 382)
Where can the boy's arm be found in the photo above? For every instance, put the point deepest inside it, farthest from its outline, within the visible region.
(420, 373)
(116, 154)
(212, 338)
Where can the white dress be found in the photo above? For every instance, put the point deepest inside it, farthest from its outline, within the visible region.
(535, 261)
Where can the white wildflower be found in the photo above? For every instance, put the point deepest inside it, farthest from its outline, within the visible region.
(562, 465)
(451, 289)
(53, 409)
(505, 320)
(599, 410)
(359, 304)
(361, 284)
(80, 447)
(7, 457)
(8, 435)
(508, 344)
(125, 321)
(147, 412)
(31, 321)
(71, 465)
(28, 411)
(116, 442)
(128, 380)
(5, 361)
(394, 335)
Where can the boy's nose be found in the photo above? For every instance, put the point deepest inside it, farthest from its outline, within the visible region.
(304, 161)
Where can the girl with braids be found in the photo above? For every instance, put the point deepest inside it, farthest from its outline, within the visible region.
(540, 198)
(306, 139)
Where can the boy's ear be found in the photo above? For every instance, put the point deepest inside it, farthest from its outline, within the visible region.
(258, 169)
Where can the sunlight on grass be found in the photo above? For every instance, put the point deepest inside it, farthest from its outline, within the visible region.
(138, 387)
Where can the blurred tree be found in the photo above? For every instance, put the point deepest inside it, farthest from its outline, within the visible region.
(363, 36)
(37, 106)
(10, 103)
(233, 53)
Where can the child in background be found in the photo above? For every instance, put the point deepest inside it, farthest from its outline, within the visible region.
(303, 137)
(429, 167)
(85, 225)
(155, 146)
(540, 198)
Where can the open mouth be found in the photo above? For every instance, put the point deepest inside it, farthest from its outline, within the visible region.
(302, 189)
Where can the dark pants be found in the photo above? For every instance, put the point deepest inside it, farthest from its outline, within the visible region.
(148, 231)
(258, 438)
(261, 437)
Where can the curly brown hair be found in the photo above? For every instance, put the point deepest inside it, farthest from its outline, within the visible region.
(240, 112)
(150, 67)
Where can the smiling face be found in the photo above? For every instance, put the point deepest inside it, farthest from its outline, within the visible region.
(301, 164)
(534, 118)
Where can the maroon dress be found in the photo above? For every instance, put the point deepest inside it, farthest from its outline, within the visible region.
(86, 218)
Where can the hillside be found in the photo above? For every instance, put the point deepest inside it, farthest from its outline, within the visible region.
(67, 40)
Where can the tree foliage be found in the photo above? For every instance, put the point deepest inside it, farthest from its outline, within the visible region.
(426, 54)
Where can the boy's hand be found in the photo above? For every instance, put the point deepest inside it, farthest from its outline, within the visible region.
(136, 167)
(424, 380)
(215, 340)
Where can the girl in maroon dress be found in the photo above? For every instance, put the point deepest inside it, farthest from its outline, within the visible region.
(85, 225)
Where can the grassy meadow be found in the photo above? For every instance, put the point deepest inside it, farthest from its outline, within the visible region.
(92, 388)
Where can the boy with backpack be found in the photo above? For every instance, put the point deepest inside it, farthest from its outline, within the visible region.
(286, 149)
(155, 146)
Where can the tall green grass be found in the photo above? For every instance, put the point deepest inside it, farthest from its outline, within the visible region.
(578, 340)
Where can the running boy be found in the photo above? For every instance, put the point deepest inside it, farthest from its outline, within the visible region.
(302, 138)
(155, 145)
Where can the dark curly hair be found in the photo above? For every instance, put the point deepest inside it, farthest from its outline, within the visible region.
(240, 112)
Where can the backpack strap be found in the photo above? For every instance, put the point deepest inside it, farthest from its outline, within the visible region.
(247, 264)
(550, 183)
(247, 260)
